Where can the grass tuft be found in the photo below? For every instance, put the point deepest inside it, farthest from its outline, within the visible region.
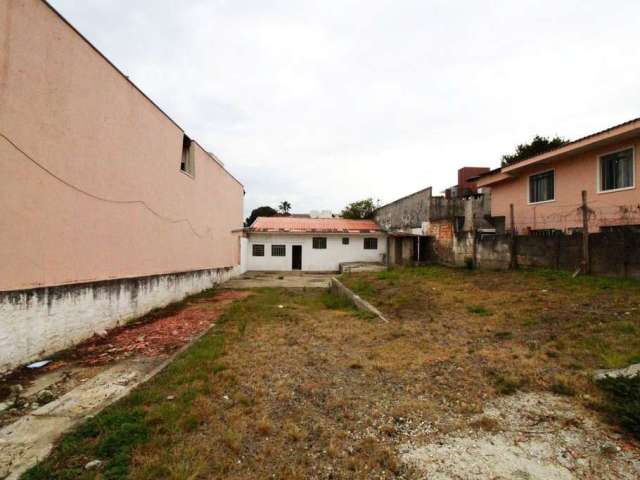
(478, 310)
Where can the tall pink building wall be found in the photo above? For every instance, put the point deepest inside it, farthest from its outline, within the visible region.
(72, 112)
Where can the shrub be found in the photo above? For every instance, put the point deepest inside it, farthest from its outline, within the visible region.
(623, 401)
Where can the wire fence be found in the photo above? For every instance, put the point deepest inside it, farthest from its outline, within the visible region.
(568, 217)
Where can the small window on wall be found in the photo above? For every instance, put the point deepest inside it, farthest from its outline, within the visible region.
(186, 162)
(320, 242)
(278, 251)
(258, 250)
(542, 187)
(616, 170)
(370, 243)
(345, 241)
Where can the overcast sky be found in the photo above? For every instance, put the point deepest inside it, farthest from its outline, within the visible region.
(325, 102)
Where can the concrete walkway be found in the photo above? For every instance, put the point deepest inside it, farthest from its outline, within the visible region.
(280, 279)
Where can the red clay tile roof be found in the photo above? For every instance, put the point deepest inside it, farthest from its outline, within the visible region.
(310, 225)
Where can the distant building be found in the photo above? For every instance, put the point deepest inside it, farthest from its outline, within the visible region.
(466, 185)
(314, 244)
(421, 225)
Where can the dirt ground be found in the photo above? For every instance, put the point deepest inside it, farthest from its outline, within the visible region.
(477, 375)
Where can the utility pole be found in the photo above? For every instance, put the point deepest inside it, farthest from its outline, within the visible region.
(586, 263)
(514, 258)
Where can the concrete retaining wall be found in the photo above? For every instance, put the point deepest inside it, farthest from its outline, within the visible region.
(338, 288)
(615, 253)
(41, 321)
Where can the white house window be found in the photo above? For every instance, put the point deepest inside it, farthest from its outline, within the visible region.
(370, 243)
(186, 161)
(278, 251)
(258, 250)
(542, 187)
(345, 240)
(320, 242)
(616, 170)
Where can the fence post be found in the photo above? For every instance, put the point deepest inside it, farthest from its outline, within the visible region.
(513, 263)
(586, 263)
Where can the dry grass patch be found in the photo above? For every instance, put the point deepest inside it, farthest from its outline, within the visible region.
(314, 390)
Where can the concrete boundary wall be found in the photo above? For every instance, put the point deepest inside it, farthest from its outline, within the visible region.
(614, 253)
(41, 321)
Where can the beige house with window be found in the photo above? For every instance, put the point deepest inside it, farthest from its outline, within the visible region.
(546, 190)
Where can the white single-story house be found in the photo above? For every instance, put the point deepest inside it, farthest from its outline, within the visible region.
(312, 244)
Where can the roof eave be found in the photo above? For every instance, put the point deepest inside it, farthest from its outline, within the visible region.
(493, 179)
(621, 133)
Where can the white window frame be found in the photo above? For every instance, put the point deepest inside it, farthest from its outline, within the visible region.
(555, 183)
(633, 170)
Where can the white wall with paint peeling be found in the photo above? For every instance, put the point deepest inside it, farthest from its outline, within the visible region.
(38, 322)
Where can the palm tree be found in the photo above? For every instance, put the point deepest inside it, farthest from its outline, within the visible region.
(285, 207)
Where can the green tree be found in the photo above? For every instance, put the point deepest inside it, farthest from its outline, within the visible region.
(284, 207)
(264, 211)
(359, 210)
(536, 146)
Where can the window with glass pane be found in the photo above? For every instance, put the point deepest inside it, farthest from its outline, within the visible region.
(278, 250)
(370, 243)
(541, 187)
(616, 170)
(258, 250)
(319, 242)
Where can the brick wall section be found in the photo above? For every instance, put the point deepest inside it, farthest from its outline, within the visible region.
(442, 240)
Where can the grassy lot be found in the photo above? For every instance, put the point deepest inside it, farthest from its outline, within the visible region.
(297, 384)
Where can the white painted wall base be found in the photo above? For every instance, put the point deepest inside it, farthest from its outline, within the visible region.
(41, 321)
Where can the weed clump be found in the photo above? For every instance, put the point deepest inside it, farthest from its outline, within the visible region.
(337, 302)
(622, 402)
(487, 424)
(507, 385)
(468, 263)
(561, 388)
(478, 310)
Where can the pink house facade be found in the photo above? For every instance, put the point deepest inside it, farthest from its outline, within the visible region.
(108, 208)
(546, 190)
